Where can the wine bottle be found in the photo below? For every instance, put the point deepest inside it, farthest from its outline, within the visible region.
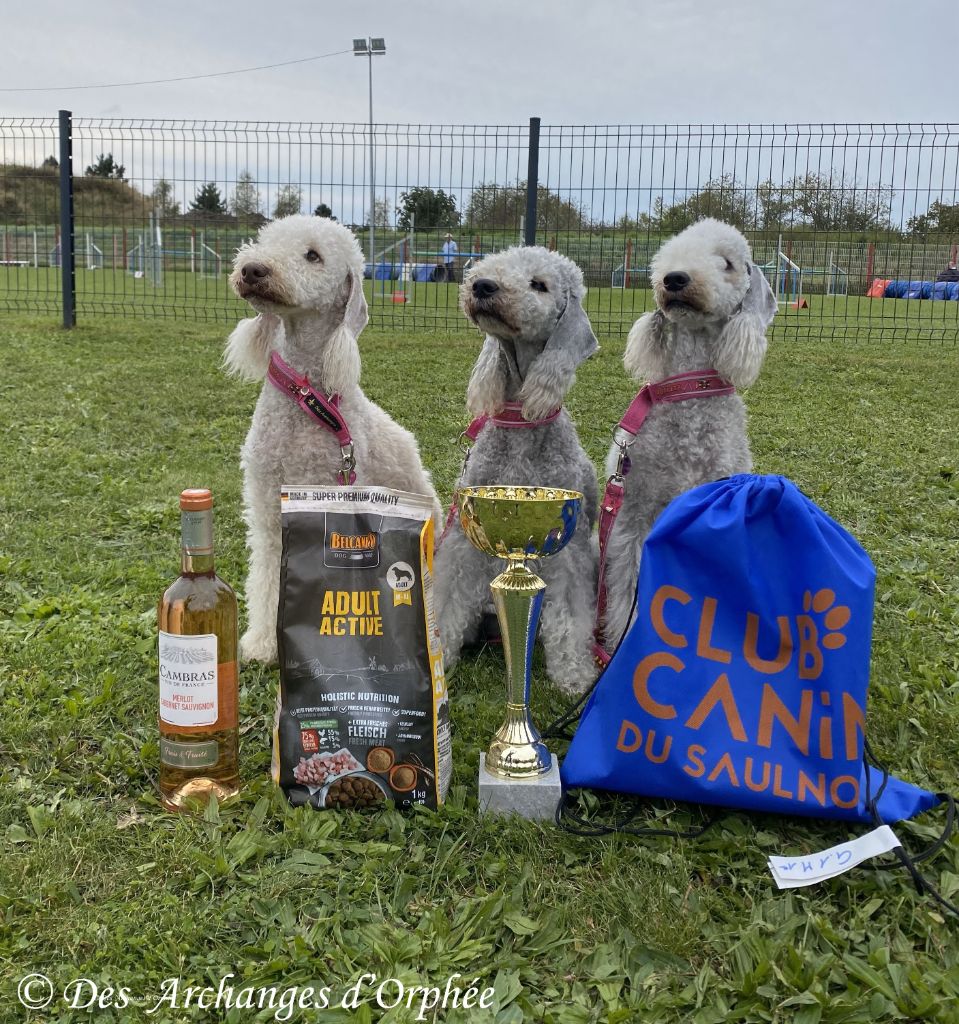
(198, 719)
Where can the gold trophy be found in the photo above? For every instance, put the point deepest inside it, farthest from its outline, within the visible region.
(518, 524)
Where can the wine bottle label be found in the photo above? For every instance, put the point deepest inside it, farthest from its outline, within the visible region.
(188, 679)
(196, 529)
(199, 754)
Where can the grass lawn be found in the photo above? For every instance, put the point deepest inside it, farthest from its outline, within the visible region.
(186, 296)
(106, 424)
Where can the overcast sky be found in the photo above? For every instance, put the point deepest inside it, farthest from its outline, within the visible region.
(496, 62)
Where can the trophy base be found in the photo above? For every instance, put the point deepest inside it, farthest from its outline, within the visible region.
(535, 798)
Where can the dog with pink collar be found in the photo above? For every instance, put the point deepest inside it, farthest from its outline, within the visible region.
(704, 342)
(528, 301)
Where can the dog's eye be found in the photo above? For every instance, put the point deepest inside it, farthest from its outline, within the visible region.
(538, 286)
(729, 265)
(313, 256)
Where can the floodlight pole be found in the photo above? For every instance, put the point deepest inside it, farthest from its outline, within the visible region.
(372, 181)
(365, 48)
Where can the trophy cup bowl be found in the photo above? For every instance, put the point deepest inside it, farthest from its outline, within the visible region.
(518, 524)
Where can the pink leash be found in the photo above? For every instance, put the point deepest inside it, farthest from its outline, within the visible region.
(325, 410)
(510, 417)
(693, 384)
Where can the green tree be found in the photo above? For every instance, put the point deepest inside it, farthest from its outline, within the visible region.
(51, 163)
(245, 201)
(105, 167)
(427, 208)
(324, 211)
(502, 206)
(723, 198)
(289, 198)
(162, 197)
(640, 224)
(774, 205)
(208, 200)
(939, 219)
(831, 202)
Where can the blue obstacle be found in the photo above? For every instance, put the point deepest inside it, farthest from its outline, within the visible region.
(384, 271)
(947, 290)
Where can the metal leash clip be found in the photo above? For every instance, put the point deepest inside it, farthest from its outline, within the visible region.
(466, 443)
(347, 462)
(623, 440)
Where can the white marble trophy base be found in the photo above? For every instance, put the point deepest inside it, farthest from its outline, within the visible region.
(535, 799)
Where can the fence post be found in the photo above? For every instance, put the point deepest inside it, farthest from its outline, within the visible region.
(532, 182)
(68, 274)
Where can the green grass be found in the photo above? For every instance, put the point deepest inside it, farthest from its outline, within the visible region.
(107, 423)
(187, 296)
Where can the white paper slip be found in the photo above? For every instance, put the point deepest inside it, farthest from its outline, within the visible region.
(807, 869)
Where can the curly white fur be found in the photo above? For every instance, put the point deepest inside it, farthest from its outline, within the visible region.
(308, 291)
(716, 320)
(529, 302)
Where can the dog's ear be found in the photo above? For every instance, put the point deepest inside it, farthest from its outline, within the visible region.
(247, 352)
(759, 297)
(645, 355)
(553, 371)
(742, 344)
(341, 357)
(486, 392)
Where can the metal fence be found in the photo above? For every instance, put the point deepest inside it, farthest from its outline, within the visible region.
(838, 216)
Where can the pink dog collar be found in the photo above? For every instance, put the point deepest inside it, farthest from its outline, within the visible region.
(324, 409)
(510, 417)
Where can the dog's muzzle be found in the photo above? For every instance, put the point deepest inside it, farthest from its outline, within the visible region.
(675, 281)
(490, 311)
(678, 303)
(485, 301)
(677, 293)
(255, 282)
(484, 288)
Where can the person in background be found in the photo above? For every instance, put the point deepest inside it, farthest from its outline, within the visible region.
(950, 273)
(450, 250)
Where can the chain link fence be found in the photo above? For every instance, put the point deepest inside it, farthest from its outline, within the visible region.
(838, 216)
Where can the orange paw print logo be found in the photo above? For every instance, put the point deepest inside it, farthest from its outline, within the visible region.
(835, 617)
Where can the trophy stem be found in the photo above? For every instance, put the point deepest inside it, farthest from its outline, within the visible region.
(517, 751)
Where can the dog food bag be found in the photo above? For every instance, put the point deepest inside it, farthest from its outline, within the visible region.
(362, 710)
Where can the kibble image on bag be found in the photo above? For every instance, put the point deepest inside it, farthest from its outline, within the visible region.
(362, 712)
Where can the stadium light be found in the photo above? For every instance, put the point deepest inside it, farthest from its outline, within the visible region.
(369, 48)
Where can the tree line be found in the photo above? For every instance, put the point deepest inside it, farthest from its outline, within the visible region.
(820, 201)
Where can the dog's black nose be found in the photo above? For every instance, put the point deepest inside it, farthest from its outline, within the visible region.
(676, 281)
(252, 272)
(484, 288)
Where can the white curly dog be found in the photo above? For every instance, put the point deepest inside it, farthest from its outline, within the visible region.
(304, 276)
(528, 300)
(713, 308)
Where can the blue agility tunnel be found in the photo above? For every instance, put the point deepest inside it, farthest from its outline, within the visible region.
(948, 290)
(384, 271)
(424, 271)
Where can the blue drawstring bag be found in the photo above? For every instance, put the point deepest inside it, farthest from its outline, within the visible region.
(742, 680)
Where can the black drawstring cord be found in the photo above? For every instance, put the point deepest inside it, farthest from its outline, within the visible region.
(923, 886)
(558, 729)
